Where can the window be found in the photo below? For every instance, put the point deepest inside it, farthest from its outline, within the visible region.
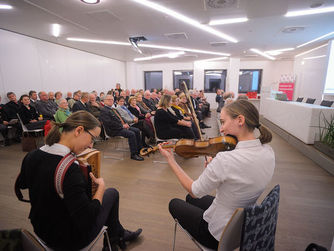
(214, 79)
(250, 81)
(153, 80)
(180, 76)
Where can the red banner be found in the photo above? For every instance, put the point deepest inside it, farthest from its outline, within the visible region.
(287, 88)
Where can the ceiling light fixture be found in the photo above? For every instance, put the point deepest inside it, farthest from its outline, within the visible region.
(55, 30)
(322, 56)
(91, 1)
(171, 48)
(278, 51)
(168, 55)
(316, 39)
(211, 59)
(185, 19)
(305, 52)
(309, 12)
(5, 7)
(262, 53)
(229, 21)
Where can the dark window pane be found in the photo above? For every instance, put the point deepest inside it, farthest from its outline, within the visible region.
(153, 80)
(180, 76)
(214, 79)
(250, 81)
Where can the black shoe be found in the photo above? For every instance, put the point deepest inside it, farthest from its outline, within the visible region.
(202, 132)
(205, 126)
(131, 236)
(136, 157)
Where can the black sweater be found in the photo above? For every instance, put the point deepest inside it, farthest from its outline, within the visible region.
(26, 115)
(59, 222)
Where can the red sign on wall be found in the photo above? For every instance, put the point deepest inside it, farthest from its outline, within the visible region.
(287, 88)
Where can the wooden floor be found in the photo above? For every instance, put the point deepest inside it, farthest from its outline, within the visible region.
(306, 210)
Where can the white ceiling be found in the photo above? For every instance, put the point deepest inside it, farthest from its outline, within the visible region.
(119, 19)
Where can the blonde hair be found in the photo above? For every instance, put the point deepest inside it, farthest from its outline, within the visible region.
(164, 101)
(251, 114)
(79, 118)
(174, 98)
(130, 99)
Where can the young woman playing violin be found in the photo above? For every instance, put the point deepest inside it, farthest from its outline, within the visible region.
(239, 176)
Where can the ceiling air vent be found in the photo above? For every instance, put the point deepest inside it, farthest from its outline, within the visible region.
(293, 29)
(178, 36)
(218, 44)
(218, 4)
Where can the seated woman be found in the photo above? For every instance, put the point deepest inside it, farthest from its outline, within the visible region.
(177, 111)
(63, 111)
(239, 176)
(29, 115)
(71, 221)
(169, 126)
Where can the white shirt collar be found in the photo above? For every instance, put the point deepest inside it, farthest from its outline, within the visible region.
(57, 149)
(248, 143)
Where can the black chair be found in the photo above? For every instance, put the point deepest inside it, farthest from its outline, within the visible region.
(310, 100)
(327, 103)
(300, 99)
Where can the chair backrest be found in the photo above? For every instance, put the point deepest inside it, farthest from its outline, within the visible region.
(327, 103)
(259, 228)
(24, 128)
(231, 236)
(155, 132)
(310, 100)
(299, 99)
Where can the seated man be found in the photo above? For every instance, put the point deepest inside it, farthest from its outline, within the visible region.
(45, 107)
(81, 104)
(133, 121)
(10, 111)
(115, 126)
(33, 98)
(94, 106)
(148, 101)
(3, 126)
(71, 101)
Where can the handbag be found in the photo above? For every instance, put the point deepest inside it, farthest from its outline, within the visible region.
(28, 143)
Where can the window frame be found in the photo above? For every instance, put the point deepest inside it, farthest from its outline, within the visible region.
(259, 83)
(223, 70)
(191, 86)
(145, 86)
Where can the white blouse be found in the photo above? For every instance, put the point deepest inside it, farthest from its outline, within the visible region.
(239, 177)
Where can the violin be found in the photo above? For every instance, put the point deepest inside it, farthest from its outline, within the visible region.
(189, 148)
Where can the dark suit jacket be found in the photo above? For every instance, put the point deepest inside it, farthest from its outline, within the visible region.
(27, 115)
(78, 106)
(112, 124)
(149, 104)
(46, 108)
(135, 112)
(10, 110)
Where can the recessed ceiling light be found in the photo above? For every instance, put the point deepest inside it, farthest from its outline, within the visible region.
(309, 12)
(55, 30)
(91, 1)
(316, 39)
(185, 19)
(228, 21)
(262, 54)
(168, 55)
(171, 48)
(5, 7)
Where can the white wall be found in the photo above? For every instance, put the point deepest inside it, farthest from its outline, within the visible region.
(272, 71)
(311, 74)
(31, 64)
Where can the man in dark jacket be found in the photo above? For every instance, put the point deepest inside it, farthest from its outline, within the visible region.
(9, 114)
(44, 107)
(82, 103)
(148, 101)
(115, 126)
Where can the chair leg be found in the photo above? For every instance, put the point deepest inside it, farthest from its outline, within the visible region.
(174, 235)
(108, 241)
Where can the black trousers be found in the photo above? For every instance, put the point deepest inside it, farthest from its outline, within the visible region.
(133, 136)
(145, 130)
(189, 214)
(109, 216)
(36, 125)
(4, 131)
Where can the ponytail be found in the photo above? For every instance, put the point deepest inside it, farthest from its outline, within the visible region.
(54, 134)
(251, 114)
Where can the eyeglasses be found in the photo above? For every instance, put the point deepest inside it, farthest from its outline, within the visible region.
(94, 139)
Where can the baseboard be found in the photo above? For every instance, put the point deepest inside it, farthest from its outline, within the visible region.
(308, 150)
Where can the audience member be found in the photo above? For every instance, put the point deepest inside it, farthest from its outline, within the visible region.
(118, 89)
(132, 120)
(148, 101)
(68, 96)
(29, 115)
(63, 111)
(3, 126)
(219, 93)
(242, 96)
(51, 96)
(93, 106)
(115, 126)
(143, 107)
(81, 105)
(76, 97)
(33, 98)
(168, 126)
(58, 96)
(44, 107)
(11, 108)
